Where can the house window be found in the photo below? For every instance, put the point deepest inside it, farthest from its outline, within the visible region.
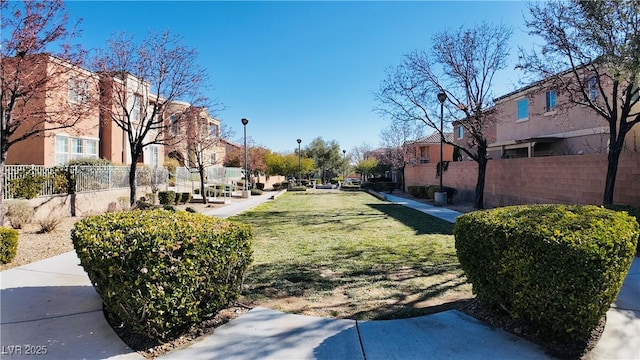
(550, 101)
(92, 149)
(135, 109)
(78, 90)
(69, 148)
(154, 156)
(77, 151)
(592, 88)
(213, 130)
(173, 124)
(459, 132)
(62, 150)
(523, 109)
(213, 158)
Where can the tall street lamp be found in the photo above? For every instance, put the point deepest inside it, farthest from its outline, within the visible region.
(344, 160)
(245, 192)
(299, 163)
(441, 199)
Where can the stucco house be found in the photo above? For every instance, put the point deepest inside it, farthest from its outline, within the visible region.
(64, 95)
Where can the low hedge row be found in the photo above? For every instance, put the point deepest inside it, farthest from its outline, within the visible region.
(556, 267)
(633, 211)
(428, 191)
(161, 271)
(378, 186)
(8, 244)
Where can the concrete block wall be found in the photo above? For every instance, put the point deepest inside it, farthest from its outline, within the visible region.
(571, 179)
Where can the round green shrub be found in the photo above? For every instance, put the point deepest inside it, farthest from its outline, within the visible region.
(185, 197)
(557, 267)
(256, 192)
(166, 197)
(8, 244)
(160, 272)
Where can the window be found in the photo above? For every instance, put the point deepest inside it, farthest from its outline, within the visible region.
(62, 150)
(68, 148)
(213, 158)
(459, 132)
(592, 88)
(78, 90)
(213, 130)
(92, 149)
(173, 124)
(523, 109)
(135, 109)
(154, 156)
(76, 149)
(550, 101)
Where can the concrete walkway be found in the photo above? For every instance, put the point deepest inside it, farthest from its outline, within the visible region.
(50, 306)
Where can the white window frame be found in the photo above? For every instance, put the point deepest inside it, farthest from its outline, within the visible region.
(460, 132)
(62, 155)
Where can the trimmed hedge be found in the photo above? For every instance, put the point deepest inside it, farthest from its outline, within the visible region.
(159, 272)
(185, 197)
(633, 211)
(387, 186)
(166, 197)
(557, 267)
(8, 244)
(428, 191)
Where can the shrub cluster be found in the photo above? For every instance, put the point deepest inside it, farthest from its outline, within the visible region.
(256, 192)
(387, 186)
(27, 185)
(298, 188)
(556, 267)
(260, 186)
(19, 213)
(277, 186)
(166, 197)
(428, 191)
(8, 244)
(633, 211)
(160, 271)
(185, 197)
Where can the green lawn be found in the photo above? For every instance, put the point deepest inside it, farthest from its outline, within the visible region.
(351, 255)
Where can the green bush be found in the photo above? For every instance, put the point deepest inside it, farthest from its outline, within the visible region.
(169, 207)
(556, 267)
(298, 188)
(419, 191)
(19, 213)
(190, 209)
(633, 211)
(276, 186)
(166, 197)
(159, 271)
(433, 189)
(8, 244)
(27, 185)
(256, 192)
(185, 197)
(260, 186)
(379, 186)
(346, 187)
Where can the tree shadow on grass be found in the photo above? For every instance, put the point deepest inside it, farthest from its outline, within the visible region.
(419, 221)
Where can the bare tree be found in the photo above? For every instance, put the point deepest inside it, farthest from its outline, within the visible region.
(591, 53)
(460, 64)
(29, 73)
(199, 136)
(139, 81)
(397, 141)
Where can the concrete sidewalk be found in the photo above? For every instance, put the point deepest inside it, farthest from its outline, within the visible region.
(50, 306)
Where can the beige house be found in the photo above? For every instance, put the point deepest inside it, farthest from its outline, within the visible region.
(193, 132)
(427, 149)
(65, 96)
(538, 120)
(91, 103)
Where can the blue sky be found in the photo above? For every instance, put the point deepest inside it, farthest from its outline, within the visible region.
(300, 69)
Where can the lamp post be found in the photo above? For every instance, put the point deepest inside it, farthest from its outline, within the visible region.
(299, 164)
(245, 192)
(441, 196)
(344, 160)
